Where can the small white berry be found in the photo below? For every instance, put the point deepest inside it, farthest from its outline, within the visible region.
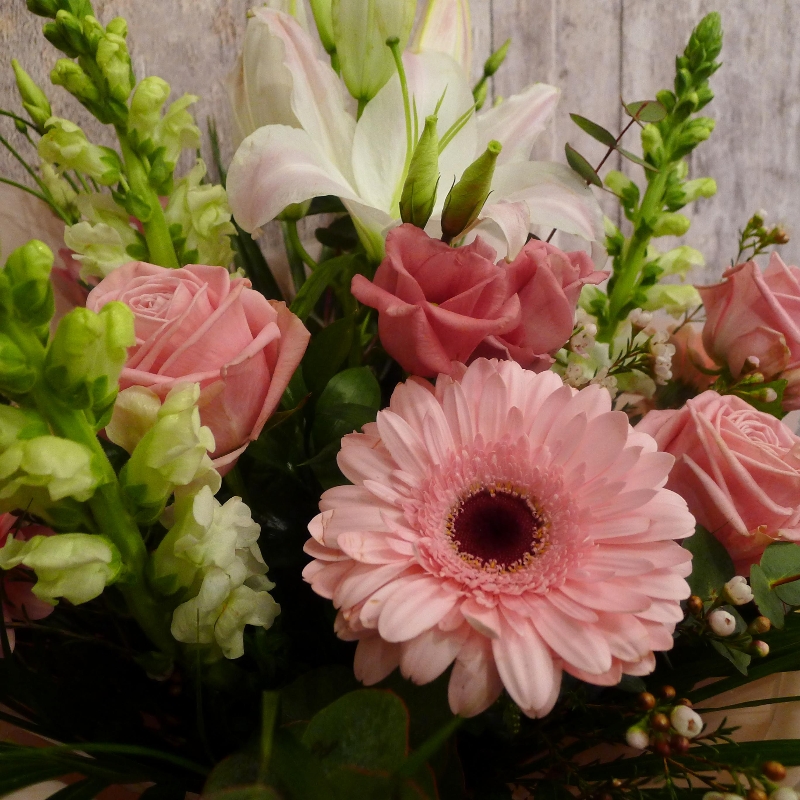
(722, 622)
(686, 721)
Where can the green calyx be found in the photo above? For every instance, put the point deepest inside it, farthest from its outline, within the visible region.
(467, 198)
(419, 191)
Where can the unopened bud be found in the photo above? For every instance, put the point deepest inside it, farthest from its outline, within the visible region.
(468, 196)
(660, 722)
(759, 648)
(17, 377)
(146, 105)
(419, 190)
(637, 737)
(680, 744)
(28, 271)
(670, 223)
(70, 28)
(479, 94)
(686, 721)
(34, 100)
(321, 9)
(722, 622)
(751, 363)
(779, 235)
(115, 63)
(768, 395)
(646, 701)
(784, 793)
(774, 770)
(68, 74)
(737, 591)
(43, 8)
(759, 625)
(496, 59)
(695, 605)
(756, 794)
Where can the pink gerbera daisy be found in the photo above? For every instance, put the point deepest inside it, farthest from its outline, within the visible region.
(509, 524)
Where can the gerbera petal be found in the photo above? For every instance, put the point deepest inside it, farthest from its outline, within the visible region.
(475, 681)
(375, 660)
(419, 605)
(428, 655)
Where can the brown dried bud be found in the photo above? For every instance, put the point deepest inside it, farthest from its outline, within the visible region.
(616, 783)
(695, 605)
(667, 692)
(779, 235)
(660, 722)
(646, 701)
(680, 744)
(759, 625)
(774, 770)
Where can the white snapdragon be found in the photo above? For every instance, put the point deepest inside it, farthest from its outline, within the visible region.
(737, 591)
(722, 622)
(211, 554)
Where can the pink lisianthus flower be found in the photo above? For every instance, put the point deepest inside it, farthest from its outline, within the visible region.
(509, 524)
(757, 314)
(20, 604)
(736, 467)
(436, 303)
(198, 324)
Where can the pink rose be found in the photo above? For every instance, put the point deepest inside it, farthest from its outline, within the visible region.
(198, 324)
(19, 602)
(757, 314)
(436, 303)
(737, 468)
(548, 282)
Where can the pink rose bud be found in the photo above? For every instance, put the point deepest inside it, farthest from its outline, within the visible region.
(737, 468)
(737, 591)
(722, 622)
(201, 325)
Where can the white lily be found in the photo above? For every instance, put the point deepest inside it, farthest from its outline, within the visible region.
(446, 28)
(328, 152)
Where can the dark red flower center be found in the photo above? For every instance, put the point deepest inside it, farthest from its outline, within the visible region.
(497, 529)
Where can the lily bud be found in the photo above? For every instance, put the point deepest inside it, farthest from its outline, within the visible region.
(86, 357)
(468, 196)
(75, 566)
(722, 623)
(496, 59)
(66, 145)
(360, 31)
(419, 190)
(28, 273)
(321, 9)
(34, 100)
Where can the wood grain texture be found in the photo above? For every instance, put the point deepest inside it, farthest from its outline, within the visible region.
(594, 50)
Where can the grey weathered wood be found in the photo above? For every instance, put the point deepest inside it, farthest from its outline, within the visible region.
(592, 49)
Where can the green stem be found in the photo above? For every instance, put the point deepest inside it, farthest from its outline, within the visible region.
(156, 230)
(294, 240)
(25, 189)
(394, 46)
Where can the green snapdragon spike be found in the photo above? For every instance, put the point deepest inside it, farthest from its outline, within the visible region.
(468, 196)
(419, 191)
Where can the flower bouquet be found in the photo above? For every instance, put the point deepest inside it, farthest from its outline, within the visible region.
(423, 506)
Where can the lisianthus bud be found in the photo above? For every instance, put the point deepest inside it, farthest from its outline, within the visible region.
(75, 566)
(467, 198)
(86, 357)
(321, 9)
(34, 100)
(146, 104)
(71, 76)
(737, 591)
(361, 29)
(637, 737)
(722, 622)
(686, 721)
(419, 191)
(65, 145)
(28, 272)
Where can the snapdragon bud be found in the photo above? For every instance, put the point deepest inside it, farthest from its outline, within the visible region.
(70, 29)
(700, 187)
(468, 196)
(737, 591)
(75, 566)
(17, 376)
(671, 223)
(43, 8)
(146, 105)
(65, 145)
(722, 622)
(686, 721)
(34, 100)
(321, 9)
(71, 76)
(419, 190)
(177, 131)
(28, 272)
(361, 29)
(86, 357)
(115, 63)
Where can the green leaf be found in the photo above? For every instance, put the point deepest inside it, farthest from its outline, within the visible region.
(367, 729)
(327, 352)
(768, 602)
(636, 160)
(781, 562)
(594, 130)
(319, 280)
(357, 385)
(314, 690)
(739, 659)
(582, 166)
(646, 110)
(712, 567)
(750, 395)
(334, 422)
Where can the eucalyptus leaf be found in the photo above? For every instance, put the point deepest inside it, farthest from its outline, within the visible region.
(594, 130)
(712, 567)
(582, 166)
(646, 110)
(769, 604)
(636, 160)
(739, 659)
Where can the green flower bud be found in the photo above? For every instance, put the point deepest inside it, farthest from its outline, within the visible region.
(419, 190)
(361, 29)
(37, 474)
(680, 260)
(34, 100)
(700, 187)
(68, 74)
(75, 566)
(467, 198)
(19, 423)
(705, 42)
(65, 145)
(496, 59)
(177, 130)
(71, 31)
(623, 187)
(652, 143)
(674, 298)
(173, 453)
(115, 64)
(321, 9)
(691, 134)
(146, 105)
(671, 224)
(479, 93)
(118, 27)
(93, 31)
(43, 8)
(17, 376)
(86, 357)
(28, 271)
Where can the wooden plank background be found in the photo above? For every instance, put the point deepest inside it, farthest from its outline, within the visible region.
(594, 50)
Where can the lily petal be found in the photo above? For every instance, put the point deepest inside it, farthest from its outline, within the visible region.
(447, 28)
